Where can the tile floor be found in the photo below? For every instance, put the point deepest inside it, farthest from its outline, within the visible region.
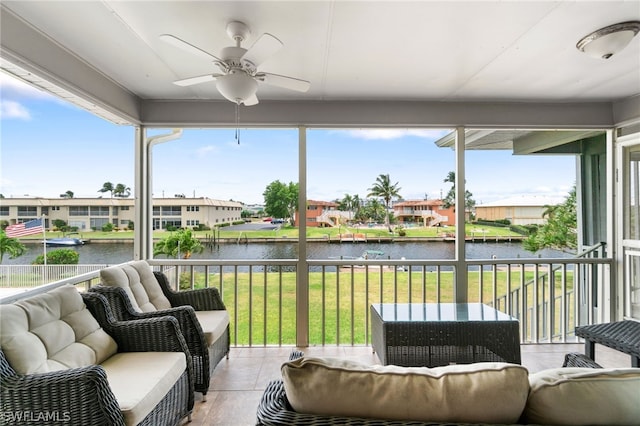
(237, 383)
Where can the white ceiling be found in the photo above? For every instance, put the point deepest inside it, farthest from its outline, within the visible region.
(419, 51)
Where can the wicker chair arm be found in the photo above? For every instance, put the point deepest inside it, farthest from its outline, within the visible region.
(118, 301)
(77, 396)
(204, 299)
(574, 359)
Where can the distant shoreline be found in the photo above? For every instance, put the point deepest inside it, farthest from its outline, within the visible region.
(379, 240)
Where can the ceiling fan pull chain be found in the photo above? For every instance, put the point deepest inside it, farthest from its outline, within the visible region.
(237, 123)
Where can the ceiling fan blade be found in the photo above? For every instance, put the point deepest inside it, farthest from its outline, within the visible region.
(262, 49)
(253, 100)
(284, 81)
(187, 47)
(196, 80)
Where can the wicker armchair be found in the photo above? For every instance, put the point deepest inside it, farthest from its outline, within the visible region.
(82, 396)
(189, 308)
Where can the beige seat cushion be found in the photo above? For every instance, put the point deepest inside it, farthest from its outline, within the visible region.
(473, 393)
(580, 396)
(213, 324)
(137, 279)
(139, 380)
(52, 331)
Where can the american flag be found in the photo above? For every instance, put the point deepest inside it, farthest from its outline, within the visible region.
(23, 229)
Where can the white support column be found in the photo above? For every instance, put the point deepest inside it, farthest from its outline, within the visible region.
(460, 292)
(302, 280)
(611, 293)
(143, 229)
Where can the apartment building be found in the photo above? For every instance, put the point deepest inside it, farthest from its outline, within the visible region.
(92, 213)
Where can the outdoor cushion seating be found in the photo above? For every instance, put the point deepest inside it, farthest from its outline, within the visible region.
(64, 360)
(135, 291)
(330, 391)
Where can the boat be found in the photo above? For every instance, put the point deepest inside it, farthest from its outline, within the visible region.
(367, 255)
(63, 242)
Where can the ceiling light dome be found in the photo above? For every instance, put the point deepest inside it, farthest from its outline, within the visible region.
(607, 41)
(237, 86)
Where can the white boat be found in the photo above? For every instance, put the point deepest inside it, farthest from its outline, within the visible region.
(63, 242)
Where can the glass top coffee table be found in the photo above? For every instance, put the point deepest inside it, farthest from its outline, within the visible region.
(434, 334)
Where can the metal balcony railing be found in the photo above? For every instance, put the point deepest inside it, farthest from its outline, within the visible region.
(550, 297)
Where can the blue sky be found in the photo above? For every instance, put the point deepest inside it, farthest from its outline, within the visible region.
(48, 146)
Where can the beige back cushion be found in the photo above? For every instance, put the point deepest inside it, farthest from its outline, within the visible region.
(52, 331)
(137, 279)
(473, 393)
(580, 396)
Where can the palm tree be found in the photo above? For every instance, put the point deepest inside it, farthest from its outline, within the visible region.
(450, 199)
(121, 190)
(178, 243)
(10, 246)
(68, 194)
(372, 210)
(356, 204)
(346, 204)
(382, 188)
(107, 187)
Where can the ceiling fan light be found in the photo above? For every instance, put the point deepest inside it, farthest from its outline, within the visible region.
(237, 87)
(610, 40)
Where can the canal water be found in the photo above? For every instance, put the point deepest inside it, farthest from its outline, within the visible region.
(109, 253)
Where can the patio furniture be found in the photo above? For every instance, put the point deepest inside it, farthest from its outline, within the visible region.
(135, 291)
(64, 360)
(554, 396)
(623, 336)
(434, 334)
(575, 359)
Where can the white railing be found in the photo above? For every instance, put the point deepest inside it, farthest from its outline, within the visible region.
(28, 276)
(260, 295)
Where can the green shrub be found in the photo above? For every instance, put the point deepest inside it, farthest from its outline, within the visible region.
(107, 227)
(59, 257)
(499, 222)
(524, 229)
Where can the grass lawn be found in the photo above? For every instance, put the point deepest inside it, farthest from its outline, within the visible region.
(339, 312)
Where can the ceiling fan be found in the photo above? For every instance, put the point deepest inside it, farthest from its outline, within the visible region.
(239, 76)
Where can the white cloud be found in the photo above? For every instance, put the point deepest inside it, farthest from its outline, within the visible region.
(396, 133)
(13, 109)
(206, 150)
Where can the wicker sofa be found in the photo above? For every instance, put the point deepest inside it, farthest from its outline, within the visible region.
(135, 291)
(65, 361)
(275, 408)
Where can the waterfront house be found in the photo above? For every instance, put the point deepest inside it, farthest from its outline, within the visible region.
(324, 214)
(424, 212)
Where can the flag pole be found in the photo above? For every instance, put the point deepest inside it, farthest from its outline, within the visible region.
(44, 249)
